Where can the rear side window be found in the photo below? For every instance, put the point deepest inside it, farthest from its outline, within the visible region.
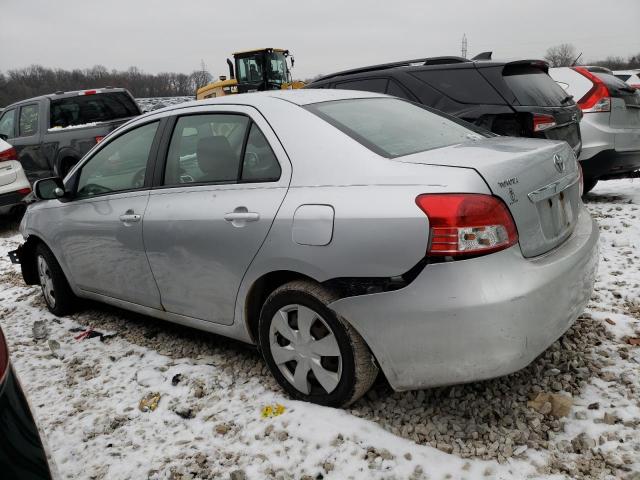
(7, 123)
(206, 149)
(464, 85)
(391, 127)
(28, 123)
(259, 163)
(377, 85)
(623, 77)
(533, 87)
(396, 90)
(89, 109)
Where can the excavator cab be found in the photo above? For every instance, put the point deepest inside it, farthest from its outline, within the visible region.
(254, 71)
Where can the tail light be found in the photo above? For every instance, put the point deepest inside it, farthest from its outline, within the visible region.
(597, 99)
(9, 154)
(88, 92)
(24, 191)
(467, 224)
(543, 122)
(99, 138)
(4, 357)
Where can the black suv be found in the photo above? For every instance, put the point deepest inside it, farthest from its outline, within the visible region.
(514, 98)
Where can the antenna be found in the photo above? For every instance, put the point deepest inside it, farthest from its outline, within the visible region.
(463, 50)
(575, 62)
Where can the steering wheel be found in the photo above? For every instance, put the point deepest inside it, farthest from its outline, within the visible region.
(255, 163)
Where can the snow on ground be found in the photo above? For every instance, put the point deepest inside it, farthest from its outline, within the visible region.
(155, 103)
(209, 422)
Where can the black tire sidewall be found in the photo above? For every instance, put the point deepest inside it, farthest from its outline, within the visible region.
(345, 389)
(61, 287)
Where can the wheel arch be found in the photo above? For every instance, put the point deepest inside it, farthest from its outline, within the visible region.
(28, 259)
(260, 289)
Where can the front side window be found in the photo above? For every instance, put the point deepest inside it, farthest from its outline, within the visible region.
(206, 149)
(376, 85)
(120, 165)
(28, 120)
(7, 121)
(277, 68)
(250, 68)
(391, 127)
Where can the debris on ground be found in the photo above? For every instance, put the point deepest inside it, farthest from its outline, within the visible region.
(149, 402)
(270, 411)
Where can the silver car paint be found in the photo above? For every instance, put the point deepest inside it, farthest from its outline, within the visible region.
(378, 230)
(617, 130)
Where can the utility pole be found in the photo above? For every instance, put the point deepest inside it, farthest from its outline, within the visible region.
(463, 50)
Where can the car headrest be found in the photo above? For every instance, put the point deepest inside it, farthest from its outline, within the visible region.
(216, 159)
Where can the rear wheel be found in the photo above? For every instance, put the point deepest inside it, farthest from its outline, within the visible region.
(314, 354)
(57, 293)
(589, 184)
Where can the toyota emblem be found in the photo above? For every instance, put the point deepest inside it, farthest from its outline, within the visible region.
(559, 162)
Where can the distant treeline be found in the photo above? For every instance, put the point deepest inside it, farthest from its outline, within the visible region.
(38, 80)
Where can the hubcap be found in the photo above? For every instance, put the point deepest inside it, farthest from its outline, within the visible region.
(305, 349)
(46, 282)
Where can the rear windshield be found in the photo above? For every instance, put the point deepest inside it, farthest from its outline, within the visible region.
(533, 87)
(392, 127)
(89, 109)
(616, 87)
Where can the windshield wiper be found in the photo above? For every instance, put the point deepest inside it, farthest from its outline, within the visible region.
(566, 99)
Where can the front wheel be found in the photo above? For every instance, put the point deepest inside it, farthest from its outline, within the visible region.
(314, 354)
(57, 293)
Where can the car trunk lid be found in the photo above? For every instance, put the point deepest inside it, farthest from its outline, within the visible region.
(537, 180)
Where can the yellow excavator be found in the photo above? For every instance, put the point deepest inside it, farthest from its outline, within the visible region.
(254, 71)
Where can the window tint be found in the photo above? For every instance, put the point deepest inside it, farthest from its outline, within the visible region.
(259, 164)
(616, 87)
(206, 148)
(7, 121)
(623, 77)
(119, 165)
(28, 124)
(533, 86)
(250, 68)
(396, 90)
(392, 127)
(377, 85)
(84, 109)
(463, 85)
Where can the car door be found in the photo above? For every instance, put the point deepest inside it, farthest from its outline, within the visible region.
(100, 232)
(27, 141)
(213, 204)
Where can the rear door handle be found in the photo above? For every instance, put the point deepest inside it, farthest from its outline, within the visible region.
(242, 216)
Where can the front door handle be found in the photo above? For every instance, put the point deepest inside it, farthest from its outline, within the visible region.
(130, 217)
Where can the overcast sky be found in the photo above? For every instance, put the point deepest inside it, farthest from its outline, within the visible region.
(324, 36)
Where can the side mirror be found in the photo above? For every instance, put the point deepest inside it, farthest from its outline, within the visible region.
(49, 188)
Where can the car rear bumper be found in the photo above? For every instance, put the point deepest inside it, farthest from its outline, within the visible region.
(10, 200)
(479, 318)
(611, 163)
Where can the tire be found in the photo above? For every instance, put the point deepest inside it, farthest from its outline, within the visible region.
(287, 347)
(589, 184)
(56, 291)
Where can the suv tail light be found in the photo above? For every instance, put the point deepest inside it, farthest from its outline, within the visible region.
(597, 99)
(9, 154)
(543, 122)
(4, 357)
(465, 224)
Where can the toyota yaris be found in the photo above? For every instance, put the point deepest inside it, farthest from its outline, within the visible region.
(342, 232)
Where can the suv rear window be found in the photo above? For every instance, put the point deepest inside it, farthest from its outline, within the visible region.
(87, 109)
(533, 86)
(391, 127)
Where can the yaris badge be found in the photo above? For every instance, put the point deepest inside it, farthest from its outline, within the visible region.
(559, 162)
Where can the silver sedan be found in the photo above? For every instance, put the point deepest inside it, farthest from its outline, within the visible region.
(341, 232)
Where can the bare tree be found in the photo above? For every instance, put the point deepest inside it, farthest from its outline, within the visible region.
(561, 55)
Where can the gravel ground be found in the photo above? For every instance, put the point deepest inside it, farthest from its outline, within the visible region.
(573, 413)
